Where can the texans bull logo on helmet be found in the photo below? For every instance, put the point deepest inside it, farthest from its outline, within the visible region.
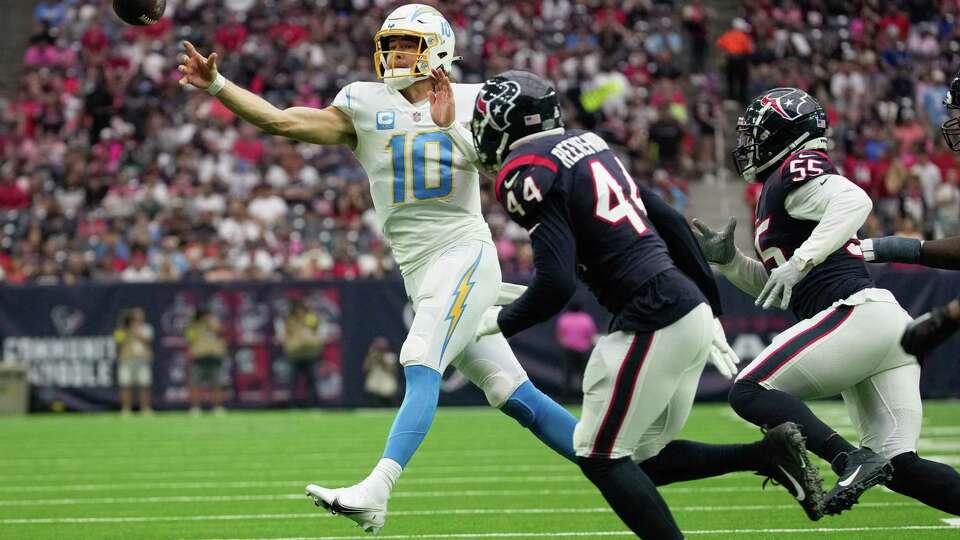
(503, 95)
(790, 103)
(510, 107)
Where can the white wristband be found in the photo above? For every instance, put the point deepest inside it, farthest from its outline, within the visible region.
(217, 85)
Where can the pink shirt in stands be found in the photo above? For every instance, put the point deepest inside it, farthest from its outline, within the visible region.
(575, 330)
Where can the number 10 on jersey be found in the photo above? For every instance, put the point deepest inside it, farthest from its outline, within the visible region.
(416, 156)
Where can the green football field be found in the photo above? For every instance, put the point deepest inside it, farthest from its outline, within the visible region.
(478, 475)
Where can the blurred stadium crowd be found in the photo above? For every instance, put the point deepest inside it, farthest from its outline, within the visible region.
(111, 171)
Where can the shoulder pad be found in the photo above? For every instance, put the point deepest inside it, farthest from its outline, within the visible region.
(805, 165)
(523, 185)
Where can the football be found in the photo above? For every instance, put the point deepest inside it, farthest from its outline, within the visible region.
(139, 12)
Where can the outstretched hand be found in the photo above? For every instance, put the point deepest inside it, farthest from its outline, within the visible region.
(717, 247)
(442, 108)
(197, 70)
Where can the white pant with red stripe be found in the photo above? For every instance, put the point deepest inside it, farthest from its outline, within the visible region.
(852, 349)
(638, 388)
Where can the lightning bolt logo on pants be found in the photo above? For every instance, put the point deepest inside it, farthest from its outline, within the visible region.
(460, 294)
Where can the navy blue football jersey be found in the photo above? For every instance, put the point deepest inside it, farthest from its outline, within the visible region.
(778, 235)
(577, 200)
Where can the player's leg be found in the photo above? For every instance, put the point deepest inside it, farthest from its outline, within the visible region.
(780, 454)
(145, 381)
(935, 484)
(771, 390)
(196, 385)
(219, 379)
(888, 413)
(125, 380)
(828, 354)
(310, 370)
(491, 365)
(628, 384)
(449, 297)
(610, 384)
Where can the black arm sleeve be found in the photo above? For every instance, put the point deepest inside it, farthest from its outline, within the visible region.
(555, 281)
(943, 253)
(682, 246)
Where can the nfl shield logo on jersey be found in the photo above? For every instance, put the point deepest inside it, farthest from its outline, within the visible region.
(385, 119)
(417, 116)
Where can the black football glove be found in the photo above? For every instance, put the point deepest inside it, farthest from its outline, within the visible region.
(928, 331)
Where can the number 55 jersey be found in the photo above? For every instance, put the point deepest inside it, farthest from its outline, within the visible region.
(782, 227)
(425, 190)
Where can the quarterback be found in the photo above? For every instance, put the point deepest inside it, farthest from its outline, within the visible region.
(408, 131)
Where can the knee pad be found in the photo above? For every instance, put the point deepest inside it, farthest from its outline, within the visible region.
(523, 404)
(413, 351)
(742, 393)
(500, 387)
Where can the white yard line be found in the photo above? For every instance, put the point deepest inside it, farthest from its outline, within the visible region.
(401, 513)
(298, 485)
(951, 444)
(298, 496)
(293, 483)
(592, 534)
(274, 470)
(271, 454)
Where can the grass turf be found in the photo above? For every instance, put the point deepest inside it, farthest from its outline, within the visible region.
(478, 475)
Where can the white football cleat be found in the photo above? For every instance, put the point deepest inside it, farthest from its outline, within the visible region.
(353, 502)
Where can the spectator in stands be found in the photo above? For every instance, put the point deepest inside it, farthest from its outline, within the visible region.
(208, 351)
(737, 46)
(380, 368)
(575, 332)
(696, 22)
(94, 136)
(138, 271)
(303, 343)
(946, 204)
(134, 337)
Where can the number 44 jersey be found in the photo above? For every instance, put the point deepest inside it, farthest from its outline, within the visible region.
(778, 234)
(576, 199)
(425, 190)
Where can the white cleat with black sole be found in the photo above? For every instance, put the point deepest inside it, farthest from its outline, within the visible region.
(353, 502)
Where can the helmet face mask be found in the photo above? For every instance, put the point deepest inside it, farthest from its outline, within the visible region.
(387, 60)
(951, 133)
(485, 139)
(951, 127)
(424, 25)
(745, 154)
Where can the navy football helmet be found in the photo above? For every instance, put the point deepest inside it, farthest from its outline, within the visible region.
(776, 124)
(511, 106)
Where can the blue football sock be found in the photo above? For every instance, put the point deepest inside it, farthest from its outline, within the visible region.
(550, 422)
(415, 415)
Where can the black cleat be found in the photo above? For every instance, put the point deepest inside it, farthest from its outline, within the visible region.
(859, 471)
(790, 467)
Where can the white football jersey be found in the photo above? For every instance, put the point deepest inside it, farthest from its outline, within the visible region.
(425, 191)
